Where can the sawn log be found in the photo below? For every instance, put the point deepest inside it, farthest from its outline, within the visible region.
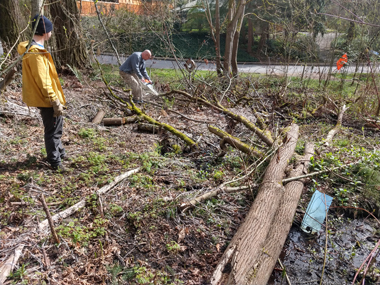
(237, 265)
(282, 221)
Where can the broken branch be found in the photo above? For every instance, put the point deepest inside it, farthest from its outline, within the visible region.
(48, 216)
(69, 211)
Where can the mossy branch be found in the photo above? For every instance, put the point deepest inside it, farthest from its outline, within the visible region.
(235, 142)
(264, 135)
(167, 127)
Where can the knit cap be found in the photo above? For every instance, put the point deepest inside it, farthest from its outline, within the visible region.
(44, 25)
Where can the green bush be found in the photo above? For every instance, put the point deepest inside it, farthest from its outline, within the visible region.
(196, 45)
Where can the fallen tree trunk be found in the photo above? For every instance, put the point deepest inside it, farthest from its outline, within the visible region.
(237, 263)
(235, 142)
(282, 222)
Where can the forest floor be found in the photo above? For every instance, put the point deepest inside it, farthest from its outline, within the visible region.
(136, 233)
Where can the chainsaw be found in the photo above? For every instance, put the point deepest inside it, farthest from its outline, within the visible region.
(150, 86)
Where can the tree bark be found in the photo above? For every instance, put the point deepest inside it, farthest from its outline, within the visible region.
(153, 129)
(217, 44)
(69, 42)
(11, 23)
(230, 32)
(282, 221)
(36, 7)
(249, 241)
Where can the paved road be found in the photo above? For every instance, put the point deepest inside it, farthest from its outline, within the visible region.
(244, 68)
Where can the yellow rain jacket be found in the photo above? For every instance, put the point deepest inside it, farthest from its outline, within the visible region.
(40, 82)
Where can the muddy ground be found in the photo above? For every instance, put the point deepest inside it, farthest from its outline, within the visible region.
(135, 233)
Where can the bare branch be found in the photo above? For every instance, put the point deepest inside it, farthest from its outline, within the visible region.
(350, 20)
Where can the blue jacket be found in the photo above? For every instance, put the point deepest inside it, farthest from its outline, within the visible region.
(135, 64)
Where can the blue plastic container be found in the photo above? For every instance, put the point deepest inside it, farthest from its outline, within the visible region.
(316, 212)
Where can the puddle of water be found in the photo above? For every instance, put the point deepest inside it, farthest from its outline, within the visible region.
(349, 244)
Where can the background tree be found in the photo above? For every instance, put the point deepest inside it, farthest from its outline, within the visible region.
(70, 48)
(233, 22)
(12, 22)
(36, 6)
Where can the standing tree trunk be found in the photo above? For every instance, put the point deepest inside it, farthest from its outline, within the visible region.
(237, 265)
(263, 37)
(36, 6)
(69, 42)
(235, 45)
(217, 38)
(230, 32)
(215, 33)
(12, 23)
(250, 36)
(235, 19)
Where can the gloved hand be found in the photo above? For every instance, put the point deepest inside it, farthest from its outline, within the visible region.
(58, 108)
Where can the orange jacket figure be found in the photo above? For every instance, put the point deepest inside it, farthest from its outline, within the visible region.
(342, 61)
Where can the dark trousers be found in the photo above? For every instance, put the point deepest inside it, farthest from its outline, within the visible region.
(53, 133)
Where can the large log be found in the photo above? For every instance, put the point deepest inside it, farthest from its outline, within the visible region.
(282, 222)
(237, 265)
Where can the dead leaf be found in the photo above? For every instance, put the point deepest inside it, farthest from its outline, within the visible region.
(181, 235)
(163, 113)
(77, 85)
(182, 248)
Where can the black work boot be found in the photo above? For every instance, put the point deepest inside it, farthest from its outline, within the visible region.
(59, 168)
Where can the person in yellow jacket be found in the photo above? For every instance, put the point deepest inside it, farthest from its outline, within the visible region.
(41, 88)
